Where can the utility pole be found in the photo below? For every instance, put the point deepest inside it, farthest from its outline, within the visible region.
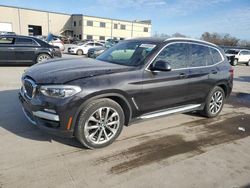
(111, 29)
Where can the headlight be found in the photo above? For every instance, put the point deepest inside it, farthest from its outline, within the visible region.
(60, 91)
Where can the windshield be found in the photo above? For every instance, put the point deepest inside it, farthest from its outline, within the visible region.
(232, 52)
(130, 53)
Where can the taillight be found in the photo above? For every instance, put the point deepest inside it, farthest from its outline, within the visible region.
(231, 71)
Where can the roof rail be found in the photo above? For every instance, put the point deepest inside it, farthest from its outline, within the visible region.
(191, 39)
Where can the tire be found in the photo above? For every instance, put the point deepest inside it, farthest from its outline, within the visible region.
(42, 57)
(79, 52)
(248, 63)
(235, 62)
(94, 132)
(213, 108)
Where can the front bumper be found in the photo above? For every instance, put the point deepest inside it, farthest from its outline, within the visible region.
(52, 123)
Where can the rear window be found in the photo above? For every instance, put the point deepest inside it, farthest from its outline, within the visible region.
(216, 55)
(24, 41)
(200, 56)
(6, 40)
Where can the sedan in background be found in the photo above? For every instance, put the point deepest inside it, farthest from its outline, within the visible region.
(15, 49)
(55, 41)
(94, 52)
(83, 48)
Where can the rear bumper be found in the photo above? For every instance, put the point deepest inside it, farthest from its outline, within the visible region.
(46, 121)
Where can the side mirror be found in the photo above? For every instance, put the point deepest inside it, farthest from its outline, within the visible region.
(161, 65)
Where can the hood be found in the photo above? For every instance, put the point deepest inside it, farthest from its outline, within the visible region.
(97, 48)
(230, 55)
(61, 71)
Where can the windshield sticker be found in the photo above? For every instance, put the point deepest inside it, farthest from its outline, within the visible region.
(151, 46)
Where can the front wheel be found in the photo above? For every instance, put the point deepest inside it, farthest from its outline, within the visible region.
(235, 62)
(99, 123)
(214, 102)
(248, 63)
(79, 52)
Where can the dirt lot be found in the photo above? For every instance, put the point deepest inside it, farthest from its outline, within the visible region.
(183, 150)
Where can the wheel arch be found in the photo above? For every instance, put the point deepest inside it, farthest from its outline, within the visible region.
(225, 88)
(117, 97)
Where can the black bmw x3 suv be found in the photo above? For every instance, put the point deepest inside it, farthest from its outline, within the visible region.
(137, 79)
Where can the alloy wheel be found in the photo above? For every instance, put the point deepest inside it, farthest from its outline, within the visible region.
(216, 102)
(102, 125)
(42, 58)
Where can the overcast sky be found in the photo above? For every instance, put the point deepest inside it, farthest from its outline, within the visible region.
(190, 17)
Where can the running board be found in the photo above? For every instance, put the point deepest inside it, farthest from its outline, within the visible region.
(170, 111)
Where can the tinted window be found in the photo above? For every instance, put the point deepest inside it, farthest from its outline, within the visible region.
(24, 41)
(98, 44)
(175, 54)
(245, 53)
(6, 40)
(199, 56)
(216, 55)
(90, 44)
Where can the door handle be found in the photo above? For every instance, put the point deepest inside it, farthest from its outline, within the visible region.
(182, 75)
(214, 72)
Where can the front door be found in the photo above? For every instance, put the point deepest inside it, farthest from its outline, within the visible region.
(166, 89)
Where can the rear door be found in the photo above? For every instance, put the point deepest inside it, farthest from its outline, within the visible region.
(166, 89)
(201, 72)
(7, 54)
(25, 49)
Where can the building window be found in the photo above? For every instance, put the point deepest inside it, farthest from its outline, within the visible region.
(74, 23)
(123, 27)
(89, 23)
(34, 30)
(122, 38)
(80, 22)
(115, 38)
(145, 29)
(101, 38)
(102, 24)
(89, 37)
(115, 26)
(80, 36)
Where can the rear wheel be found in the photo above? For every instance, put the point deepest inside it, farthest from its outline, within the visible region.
(79, 52)
(214, 102)
(100, 123)
(42, 57)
